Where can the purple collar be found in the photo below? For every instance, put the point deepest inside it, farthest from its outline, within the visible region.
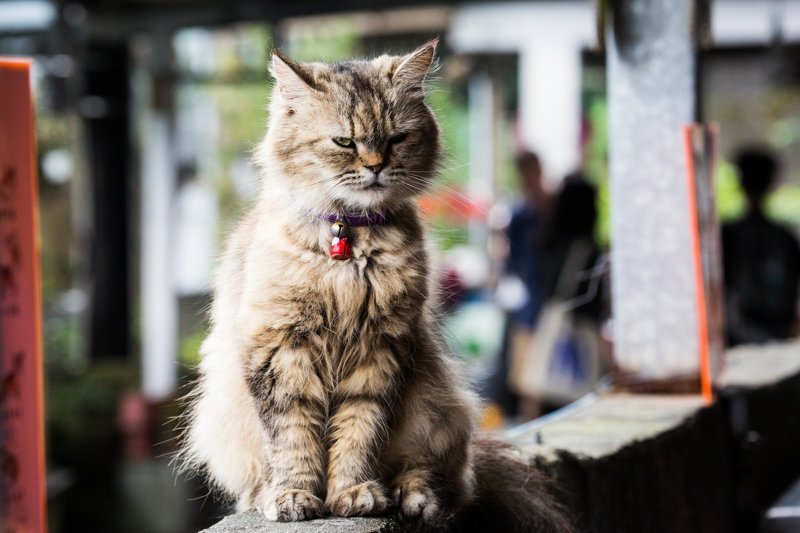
(372, 218)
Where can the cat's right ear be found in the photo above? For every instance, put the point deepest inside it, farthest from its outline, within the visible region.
(293, 80)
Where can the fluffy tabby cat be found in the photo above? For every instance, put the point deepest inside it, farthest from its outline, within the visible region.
(324, 387)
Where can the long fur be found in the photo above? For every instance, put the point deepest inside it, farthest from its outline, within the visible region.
(511, 494)
(324, 386)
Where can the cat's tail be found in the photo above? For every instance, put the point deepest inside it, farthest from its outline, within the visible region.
(512, 494)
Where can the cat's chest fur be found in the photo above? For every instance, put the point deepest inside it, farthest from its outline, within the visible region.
(385, 273)
(292, 281)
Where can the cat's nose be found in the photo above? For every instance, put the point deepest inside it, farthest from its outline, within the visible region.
(375, 168)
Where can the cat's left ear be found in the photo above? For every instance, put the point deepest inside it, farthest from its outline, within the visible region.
(414, 67)
(294, 81)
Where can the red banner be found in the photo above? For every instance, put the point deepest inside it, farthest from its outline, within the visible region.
(22, 500)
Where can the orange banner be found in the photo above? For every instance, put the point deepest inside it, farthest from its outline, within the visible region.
(22, 468)
(700, 145)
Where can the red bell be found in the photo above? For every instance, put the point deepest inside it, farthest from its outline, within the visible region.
(340, 249)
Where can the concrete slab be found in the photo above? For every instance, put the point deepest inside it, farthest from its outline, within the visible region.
(610, 423)
(253, 522)
(751, 367)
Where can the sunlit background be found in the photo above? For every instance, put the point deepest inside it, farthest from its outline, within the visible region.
(147, 115)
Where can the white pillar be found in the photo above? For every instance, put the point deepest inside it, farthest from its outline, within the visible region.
(548, 37)
(550, 102)
(159, 305)
(481, 149)
(651, 88)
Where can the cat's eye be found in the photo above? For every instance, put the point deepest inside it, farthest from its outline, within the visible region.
(344, 142)
(400, 137)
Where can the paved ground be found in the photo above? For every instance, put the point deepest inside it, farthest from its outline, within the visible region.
(784, 515)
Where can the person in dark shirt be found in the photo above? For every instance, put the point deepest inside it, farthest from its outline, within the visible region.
(572, 224)
(761, 261)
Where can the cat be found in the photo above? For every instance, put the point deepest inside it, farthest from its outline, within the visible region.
(325, 388)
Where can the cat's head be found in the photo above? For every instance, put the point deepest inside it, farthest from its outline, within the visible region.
(356, 135)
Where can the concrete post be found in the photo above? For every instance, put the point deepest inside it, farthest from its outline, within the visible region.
(159, 304)
(481, 148)
(652, 81)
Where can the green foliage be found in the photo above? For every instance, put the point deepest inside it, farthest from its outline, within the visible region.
(338, 41)
(596, 161)
(83, 438)
(596, 166)
(189, 350)
(603, 227)
(238, 51)
(784, 204)
(729, 197)
(453, 118)
(447, 236)
(81, 411)
(64, 342)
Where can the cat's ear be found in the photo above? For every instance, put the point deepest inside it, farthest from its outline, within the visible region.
(414, 67)
(294, 81)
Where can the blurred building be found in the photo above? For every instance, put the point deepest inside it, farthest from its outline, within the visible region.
(148, 110)
(149, 88)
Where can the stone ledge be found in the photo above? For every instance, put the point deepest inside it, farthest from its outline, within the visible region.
(605, 424)
(656, 463)
(253, 522)
(750, 367)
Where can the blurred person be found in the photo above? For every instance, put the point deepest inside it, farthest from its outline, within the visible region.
(761, 261)
(524, 231)
(521, 274)
(564, 361)
(572, 224)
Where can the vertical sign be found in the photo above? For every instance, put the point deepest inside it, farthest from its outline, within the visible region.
(700, 142)
(22, 505)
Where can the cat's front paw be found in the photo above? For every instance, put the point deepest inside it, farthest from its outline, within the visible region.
(416, 499)
(293, 505)
(360, 500)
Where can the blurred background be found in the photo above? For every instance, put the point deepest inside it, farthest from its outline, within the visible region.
(148, 111)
